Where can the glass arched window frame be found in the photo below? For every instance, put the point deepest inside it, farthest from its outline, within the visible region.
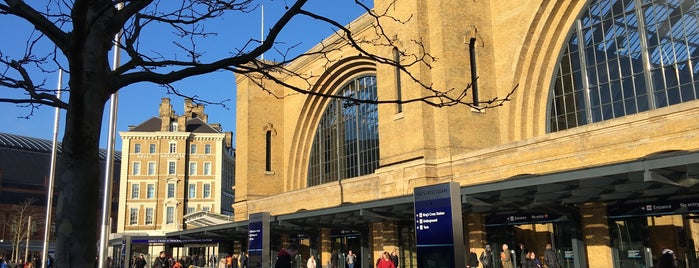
(624, 57)
(346, 141)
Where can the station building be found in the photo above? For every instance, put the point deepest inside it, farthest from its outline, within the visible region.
(596, 150)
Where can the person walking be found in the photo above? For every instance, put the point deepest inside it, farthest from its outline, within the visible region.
(486, 257)
(311, 263)
(285, 256)
(523, 254)
(472, 259)
(350, 259)
(667, 259)
(385, 261)
(550, 257)
(140, 262)
(243, 259)
(505, 258)
(161, 261)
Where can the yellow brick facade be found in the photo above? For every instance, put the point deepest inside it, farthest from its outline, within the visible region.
(518, 45)
(173, 169)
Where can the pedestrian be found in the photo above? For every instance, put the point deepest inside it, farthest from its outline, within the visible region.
(505, 258)
(667, 259)
(486, 257)
(385, 261)
(532, 261)
(161, 261)
(550, 257)
(394, 258)
(333, 259)
(285, 256)
(140, 262)
(523, 254)
(243, 259)
(350, 259)
(472, 259)
(311, 263)
(49, 261)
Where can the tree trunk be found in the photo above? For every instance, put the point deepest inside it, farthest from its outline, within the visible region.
(77, 217)
(78, 186)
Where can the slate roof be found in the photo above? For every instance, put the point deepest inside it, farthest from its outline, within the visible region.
(194, 125)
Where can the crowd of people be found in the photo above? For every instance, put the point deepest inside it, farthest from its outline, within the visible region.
(527, 258)
(31, 262)
(195, 260)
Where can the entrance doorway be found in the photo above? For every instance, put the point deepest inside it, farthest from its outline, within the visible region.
(534, 237)
(639, 241)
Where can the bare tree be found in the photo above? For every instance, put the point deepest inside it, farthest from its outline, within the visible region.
(21, 227)
(83, 32)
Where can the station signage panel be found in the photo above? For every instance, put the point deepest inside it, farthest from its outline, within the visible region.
(654, 208)
(258, 239)
(438, 226)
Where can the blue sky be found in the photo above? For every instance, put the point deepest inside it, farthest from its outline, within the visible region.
(140, 102)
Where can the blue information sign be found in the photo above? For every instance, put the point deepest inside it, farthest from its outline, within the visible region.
(438, 228)
(257, 225)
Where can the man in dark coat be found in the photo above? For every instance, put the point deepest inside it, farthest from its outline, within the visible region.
(550, 258)
(161, 261)
(472, 259)
(285, 256)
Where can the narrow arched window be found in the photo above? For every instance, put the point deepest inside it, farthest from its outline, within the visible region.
(346, 143)
(268, 150)
(399, 97)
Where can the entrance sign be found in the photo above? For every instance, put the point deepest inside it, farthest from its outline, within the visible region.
(258, 236)
(438, 226)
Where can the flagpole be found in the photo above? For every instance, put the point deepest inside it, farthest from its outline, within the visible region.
(52, 175)
(262, 30)
(109, 166)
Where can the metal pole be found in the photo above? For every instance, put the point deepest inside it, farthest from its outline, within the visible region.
(52, 175)
(26, 248)
(109, 166)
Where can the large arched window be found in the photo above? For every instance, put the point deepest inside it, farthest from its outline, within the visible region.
(346, 143)
(625, 57)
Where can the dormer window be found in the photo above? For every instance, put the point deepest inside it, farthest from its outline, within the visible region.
(173, 126)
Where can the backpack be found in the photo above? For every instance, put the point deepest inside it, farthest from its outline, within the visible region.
(484, 259)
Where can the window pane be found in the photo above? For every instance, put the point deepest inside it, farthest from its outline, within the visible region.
(613, 42)
(150, 191)
(170, 215)
(170, 190)
(192, 168)
(192, 191)
(207, 168)
(207, 190)
(346, 140)
(136, 170)
(134, 191)
(149, 216)
(151, 168)
(133, 216)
